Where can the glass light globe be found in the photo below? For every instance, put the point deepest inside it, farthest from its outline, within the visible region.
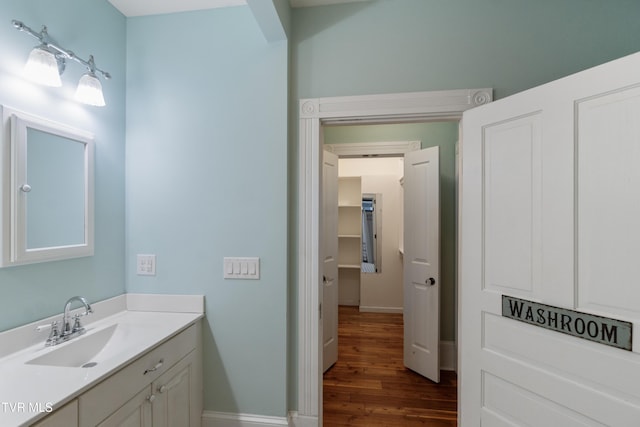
(42, 68)
(89, 90)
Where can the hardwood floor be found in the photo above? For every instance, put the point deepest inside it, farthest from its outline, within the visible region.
(369, 385)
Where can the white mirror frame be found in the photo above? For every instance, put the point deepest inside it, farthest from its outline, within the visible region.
(13, 161)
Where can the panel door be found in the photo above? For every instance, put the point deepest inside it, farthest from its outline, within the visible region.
(134, 413)
(422, 262)
(173, 395)
(330, 258)
(67, 416)
(549, 213)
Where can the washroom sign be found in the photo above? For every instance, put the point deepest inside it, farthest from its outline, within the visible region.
(603, 330)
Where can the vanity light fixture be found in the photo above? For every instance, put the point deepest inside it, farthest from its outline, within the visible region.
(47, 62)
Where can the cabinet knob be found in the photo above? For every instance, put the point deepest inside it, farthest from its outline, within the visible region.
(174, 382)
(151, 398)
(25, 188)
(430, 281)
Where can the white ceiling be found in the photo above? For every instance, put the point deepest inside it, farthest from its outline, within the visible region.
(155, 7)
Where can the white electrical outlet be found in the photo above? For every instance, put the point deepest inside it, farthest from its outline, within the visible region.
(241, 268)
(146, 265)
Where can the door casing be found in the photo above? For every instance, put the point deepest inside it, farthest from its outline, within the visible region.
(313, 113)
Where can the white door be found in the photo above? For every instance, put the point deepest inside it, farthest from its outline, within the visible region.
(330, 259)
(422, 262)
(549, 213)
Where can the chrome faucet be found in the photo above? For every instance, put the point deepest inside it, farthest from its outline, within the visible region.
(69, 330)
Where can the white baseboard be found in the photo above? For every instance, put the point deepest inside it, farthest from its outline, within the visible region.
(227, 419)
(448, 356)
(296, 420)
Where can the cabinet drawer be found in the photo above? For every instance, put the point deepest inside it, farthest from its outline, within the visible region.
(105, 398)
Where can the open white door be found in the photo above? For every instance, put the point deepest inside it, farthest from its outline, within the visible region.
(549, 214)
(330, 257)
(422, 262)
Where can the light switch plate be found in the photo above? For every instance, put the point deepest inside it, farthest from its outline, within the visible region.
(241, 268)
(146, 265)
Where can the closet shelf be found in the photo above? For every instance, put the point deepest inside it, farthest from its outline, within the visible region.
(349, 239)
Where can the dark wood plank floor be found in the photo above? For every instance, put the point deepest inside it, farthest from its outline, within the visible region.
(369, 385)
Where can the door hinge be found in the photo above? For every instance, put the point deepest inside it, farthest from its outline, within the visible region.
(320, 310)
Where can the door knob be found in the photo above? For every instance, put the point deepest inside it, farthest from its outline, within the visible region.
(430, 281)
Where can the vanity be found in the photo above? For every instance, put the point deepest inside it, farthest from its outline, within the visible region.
(139, 363)
(133, 360)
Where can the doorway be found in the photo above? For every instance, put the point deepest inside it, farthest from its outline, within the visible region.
(380, 179)
(393, 108)
(369, 233)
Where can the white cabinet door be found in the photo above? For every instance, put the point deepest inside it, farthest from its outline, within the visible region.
(549, 213)
(135, 413)
(422, 262)
(330, 258)
(173, 393)
(67, 416)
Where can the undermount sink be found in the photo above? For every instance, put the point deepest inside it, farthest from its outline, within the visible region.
(82, 351)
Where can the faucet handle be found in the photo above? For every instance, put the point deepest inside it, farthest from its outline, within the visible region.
(76, 323)
(54, 330)
(54, 334)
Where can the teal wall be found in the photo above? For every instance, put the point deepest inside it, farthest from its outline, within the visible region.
(445, 136)
(207, 178)
(32, 292)
(386, 46)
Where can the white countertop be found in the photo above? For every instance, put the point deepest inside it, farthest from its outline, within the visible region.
(28, 391)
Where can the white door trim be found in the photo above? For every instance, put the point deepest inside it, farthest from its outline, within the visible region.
(372, 149)
(401, 107)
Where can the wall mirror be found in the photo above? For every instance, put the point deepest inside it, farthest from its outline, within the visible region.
(47, 190)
